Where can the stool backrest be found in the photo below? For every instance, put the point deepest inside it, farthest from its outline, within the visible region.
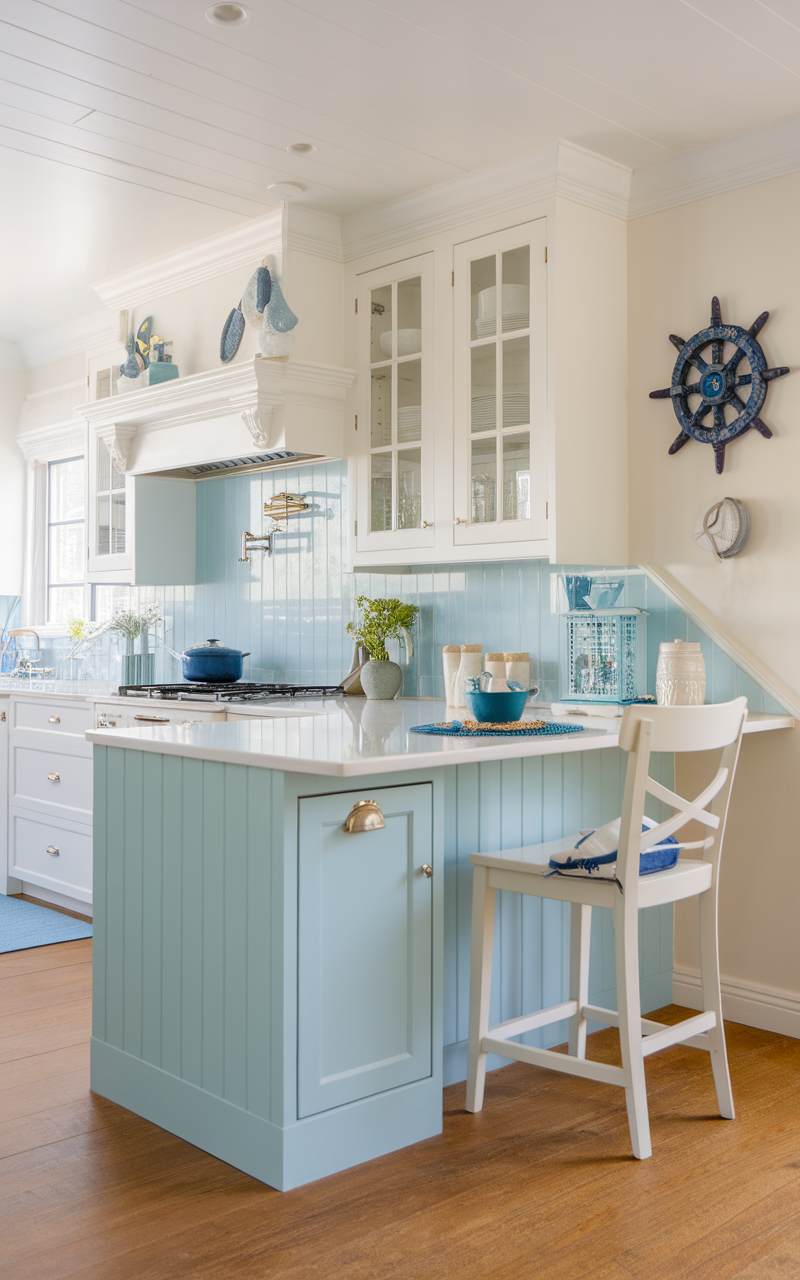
(645, 729)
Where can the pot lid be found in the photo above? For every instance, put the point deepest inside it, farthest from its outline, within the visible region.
(211, 649)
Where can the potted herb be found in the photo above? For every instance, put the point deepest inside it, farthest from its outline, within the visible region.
(379, 621)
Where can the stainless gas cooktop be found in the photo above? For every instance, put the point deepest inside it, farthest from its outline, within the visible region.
(229, 692)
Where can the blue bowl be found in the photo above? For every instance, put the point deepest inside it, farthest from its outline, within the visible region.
(497, 708)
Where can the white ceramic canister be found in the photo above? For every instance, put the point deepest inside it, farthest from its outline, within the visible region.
(680, 674)
(451, 661)
(495, 664)
(470, 666)
(518, 667)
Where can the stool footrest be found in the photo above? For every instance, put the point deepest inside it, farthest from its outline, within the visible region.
(600, 1071)
(530, 1021)
(659, 1035)
(610, 1018)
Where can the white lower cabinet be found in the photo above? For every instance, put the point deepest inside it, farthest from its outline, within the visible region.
(49, 796)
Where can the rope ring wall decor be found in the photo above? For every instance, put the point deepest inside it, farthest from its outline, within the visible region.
(723, 528)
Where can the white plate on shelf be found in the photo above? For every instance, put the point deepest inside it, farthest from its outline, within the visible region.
(409, 341)
(515, 299)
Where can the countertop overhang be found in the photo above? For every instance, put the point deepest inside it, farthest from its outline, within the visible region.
(354, 737)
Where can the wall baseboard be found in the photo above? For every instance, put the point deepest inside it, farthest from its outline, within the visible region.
(767, 1008)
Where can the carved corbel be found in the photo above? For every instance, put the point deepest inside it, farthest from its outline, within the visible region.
(117, 440)
(258, 421)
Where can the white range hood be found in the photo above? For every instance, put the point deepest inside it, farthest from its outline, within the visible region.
(253, 414)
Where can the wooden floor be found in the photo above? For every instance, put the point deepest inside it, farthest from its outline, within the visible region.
(541, 1183)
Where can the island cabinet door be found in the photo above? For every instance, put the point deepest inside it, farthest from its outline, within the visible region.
(364, 947)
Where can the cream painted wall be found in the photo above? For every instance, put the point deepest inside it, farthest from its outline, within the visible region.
(55, 374)
(742, 246)
(12, 482)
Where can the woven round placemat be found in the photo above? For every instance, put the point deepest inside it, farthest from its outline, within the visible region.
(513, 729)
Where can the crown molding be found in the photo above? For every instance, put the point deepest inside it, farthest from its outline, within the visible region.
(723, 166)
(562, 168)
(71, 339)
(9, 356)
(203, 260)
(312, 231)
(57, 440)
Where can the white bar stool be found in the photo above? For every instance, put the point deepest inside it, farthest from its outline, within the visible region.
(643, 729)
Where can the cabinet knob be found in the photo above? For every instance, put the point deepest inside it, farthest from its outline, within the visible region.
(458, 520)
(54, 719)
(365, 815)
(53, 850)
(427, 870)
(427, 524)
(2, 715)
(53, 777)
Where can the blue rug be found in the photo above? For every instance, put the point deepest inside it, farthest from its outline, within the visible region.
(516, 729)
(24, 925)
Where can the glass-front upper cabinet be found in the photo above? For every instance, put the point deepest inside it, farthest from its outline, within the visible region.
(108, 530)
(500, 387)
(394, 425)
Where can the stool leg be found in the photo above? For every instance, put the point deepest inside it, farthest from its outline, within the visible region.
(712, 999)
(480, 984)
(580, 933)
(629, 1005)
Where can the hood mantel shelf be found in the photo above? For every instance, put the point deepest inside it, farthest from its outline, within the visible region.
(289, 406)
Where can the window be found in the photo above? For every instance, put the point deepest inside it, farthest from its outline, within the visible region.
(66, 543)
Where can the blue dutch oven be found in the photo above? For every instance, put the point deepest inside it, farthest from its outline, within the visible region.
(213, 662)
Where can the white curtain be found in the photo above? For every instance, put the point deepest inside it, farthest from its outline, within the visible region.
(34, 577)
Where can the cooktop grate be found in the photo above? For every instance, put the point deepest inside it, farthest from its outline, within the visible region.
(238, 692)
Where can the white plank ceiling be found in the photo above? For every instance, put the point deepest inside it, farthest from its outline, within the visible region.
(131, 128)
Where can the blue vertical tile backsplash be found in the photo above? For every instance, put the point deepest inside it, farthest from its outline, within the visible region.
(289, 609)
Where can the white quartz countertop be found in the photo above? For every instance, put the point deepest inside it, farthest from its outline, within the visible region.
(353, 737)
(75, 690)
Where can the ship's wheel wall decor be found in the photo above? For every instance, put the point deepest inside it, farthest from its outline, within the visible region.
(718, 385)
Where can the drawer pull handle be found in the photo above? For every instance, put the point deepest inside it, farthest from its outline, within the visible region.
(54, 719)
(153, 719)
(365, 815)
(53, 777)
(2, 715)
(53, 850)
(426, 870)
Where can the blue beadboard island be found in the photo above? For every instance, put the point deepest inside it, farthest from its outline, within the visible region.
(290, 997)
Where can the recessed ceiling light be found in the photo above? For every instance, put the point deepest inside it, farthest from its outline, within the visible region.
(285, 190)
(227, 15)
(301, 148)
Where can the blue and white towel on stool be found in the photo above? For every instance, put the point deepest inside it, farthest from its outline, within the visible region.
(597, 854)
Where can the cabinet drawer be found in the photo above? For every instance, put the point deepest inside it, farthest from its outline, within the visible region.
(138, 716)
(364, 947)
(53, 781)
(57, 856)
(61, 719)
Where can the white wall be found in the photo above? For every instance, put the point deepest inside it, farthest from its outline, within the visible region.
(743, 247)
(12, 482)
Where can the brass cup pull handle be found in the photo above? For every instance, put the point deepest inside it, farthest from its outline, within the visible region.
(458, 520)
(426, 870)
(153, 719)
(53, 850)
(53, 777)
(365, 815)
(54, 719)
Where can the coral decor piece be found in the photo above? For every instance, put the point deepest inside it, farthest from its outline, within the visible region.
(718, 384)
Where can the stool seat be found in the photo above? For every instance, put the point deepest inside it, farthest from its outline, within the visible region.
(525, 870)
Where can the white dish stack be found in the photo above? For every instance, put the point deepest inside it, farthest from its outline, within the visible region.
(516, 309)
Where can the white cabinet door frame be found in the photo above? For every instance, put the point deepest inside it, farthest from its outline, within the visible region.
(394, 539)
(466, 530)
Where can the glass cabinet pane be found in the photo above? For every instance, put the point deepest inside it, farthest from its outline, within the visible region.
(409, 401)
(516, 270)
(484, 388)
(409, 488)
(103, 468)
(381, 492)
(516, 382)
(117, 523)
(409, 316)
(380, 324)
(103, 525)
(484, 481)
(381, 414)
(517, 476)
(483, 301)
